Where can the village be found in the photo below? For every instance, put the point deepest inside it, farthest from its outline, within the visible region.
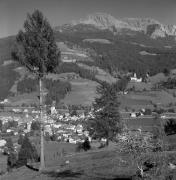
(65, 126)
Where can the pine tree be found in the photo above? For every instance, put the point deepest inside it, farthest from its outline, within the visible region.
(20, 139)
(36, 49)
(106, 122)
(1, 125)
(27, 152)
(11, 154)
(11, 160)
(9, 145)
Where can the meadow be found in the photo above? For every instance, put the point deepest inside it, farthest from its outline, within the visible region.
(103, 164)
(146, 99)
(82, 92)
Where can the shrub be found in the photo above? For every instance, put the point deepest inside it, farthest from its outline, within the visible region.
(27, 152)
(156, 167)
(20, 139)
(11, 160)
(83, 146)
(79, 147)
(86, 144)
(35, 125)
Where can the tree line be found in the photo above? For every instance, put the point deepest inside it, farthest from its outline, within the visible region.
(73, 67)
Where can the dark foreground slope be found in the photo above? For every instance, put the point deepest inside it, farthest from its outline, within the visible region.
(96, 165)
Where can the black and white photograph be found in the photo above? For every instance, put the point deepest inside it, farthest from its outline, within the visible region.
(87, 89)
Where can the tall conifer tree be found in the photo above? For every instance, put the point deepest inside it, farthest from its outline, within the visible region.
(106, 122)
(37, 50)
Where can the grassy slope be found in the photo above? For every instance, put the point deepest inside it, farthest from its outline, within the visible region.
(95, 165)
(83, 92)
(98, 165)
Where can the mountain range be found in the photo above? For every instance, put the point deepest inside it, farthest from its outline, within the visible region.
(148, 26)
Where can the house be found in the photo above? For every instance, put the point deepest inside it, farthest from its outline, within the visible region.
(53, 110)
(135, 79)
(2, 143)
(9, 130)
(72, 141)
(133, 114)
(48, 129)
(16, 110)
(25, 110)
(5, 101)
(79, 128)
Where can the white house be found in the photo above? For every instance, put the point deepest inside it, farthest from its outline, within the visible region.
(79, 128)
(25, 111)
(29, 126)
(9, 130)
(57, 125)
(48, 129)
(5, 101)
(133, 114)
(135, 79)
(2, 143)
(72, 141)
(53, 110)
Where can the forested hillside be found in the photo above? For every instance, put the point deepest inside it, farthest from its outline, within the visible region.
(124, 51)
(115, 53)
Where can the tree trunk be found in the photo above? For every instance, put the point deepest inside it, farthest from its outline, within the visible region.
(107, 142)
(42, 161)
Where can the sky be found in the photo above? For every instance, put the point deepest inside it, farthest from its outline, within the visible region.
(58, 12)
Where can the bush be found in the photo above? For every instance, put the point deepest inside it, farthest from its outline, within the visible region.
(27, 152)
(35, 125)
(156, 167)
(148, 112)
(79, 147)
(102, 145)
(11, 160)
(9, 146)
(170, 127)
(86, 144)
(20, 139)
(83, 146)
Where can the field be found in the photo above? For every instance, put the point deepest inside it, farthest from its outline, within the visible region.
(3, 163)
(146, 99)
(83, 92)
(54, 151)
(152, 81)
(100, 73)
(171, 140)
(102, 164)
(26, 98)
(103, 41)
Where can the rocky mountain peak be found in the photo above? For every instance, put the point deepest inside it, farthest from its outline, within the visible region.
(149, 26)
(102, 20)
